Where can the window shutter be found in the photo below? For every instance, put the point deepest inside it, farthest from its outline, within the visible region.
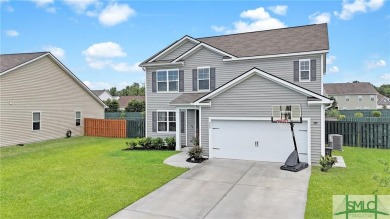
(212, 79)
(194, 79)
(154, 87)
(181, 81)
(296, 70)
(313, 68)
(154, 121)
(182, 123)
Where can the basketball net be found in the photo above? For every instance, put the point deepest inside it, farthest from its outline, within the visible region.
(284, 119)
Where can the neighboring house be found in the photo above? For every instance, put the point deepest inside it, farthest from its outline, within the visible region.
(353, 96)
(222, 88)
(103, 94)
(41, 99)
(383, 102)
(124, 100)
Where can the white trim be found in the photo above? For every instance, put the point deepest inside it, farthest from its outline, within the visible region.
(173, 46)
(277, 55)
(308, 120)
(195, 48)
(75, 116)
(322, 74)
(197, 81)
(146, 104)
(162, 64)
(32, 120)
(267, 76)
(166, 111)
(323, 130)
(347, 97)
(167, 80)
(186, 128)
(178, 128)
(200, 127)
(300, 79)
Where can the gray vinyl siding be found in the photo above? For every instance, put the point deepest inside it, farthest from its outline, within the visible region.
(191, 126)
(354, 102)
(253, 98)
(178, 51)
(45, 87)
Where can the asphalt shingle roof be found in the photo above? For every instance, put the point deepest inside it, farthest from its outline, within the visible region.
(349, 88)
(187, 98)
(97, 92)
(8, 61)
(124, 100)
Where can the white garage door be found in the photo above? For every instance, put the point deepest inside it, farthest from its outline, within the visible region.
(257, 140)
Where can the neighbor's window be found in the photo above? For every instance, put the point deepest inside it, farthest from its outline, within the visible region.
(36, 120)
(304, 70)
(167, 80)
(204, 78)
(78, 118)
(360, 98)
(372, 97)
(166, 121)
(347, 98)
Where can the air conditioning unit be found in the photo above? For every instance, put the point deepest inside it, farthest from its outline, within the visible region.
(336, 141)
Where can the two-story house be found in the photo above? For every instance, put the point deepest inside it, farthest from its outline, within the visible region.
(222, 89)
(353, 96)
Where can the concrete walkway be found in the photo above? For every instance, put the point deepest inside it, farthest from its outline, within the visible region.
(223, 188)
(179, 160)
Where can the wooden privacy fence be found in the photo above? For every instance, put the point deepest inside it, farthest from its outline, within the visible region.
(360, 134)
(105, 128)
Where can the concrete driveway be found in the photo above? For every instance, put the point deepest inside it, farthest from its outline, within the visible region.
(224, 188)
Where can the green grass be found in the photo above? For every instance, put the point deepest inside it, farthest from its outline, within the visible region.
(356, 179)
(81, 177)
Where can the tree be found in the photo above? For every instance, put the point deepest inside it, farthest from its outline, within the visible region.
(113, 105)
(334, 104)
(135, 106)
(384, 89)
(133, 90)
(113, 91)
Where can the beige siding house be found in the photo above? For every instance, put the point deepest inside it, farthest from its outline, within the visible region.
(353, 96)
(41, 99)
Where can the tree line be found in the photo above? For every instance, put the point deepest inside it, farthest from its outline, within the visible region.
(136, 89)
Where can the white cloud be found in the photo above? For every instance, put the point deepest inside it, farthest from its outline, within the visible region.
(115, 14)
(334, 69)
(52, 10)
(279, 9)
(79, 6)
(362, 6)
(106, 50)
(97, 85)
(42, 3)
(12, 33)
(376, 64)
(330, 59)
(3, 1)
(124, 67)
(218, 28)
(320, 18)
(386, 77)
(56, 51)
(10, 9)
(97, 63)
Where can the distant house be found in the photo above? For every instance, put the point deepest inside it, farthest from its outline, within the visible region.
(103, 94)
(41, 99)
(124, 100)
(383, 102)
(352, 96)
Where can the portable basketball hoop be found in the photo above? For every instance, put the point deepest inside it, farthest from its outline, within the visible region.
(282, 114)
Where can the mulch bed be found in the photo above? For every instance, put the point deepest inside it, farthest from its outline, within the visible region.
(192, 160)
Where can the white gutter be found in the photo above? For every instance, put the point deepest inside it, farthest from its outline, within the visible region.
(274, 56)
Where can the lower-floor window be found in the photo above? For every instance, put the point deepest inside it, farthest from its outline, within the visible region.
(78, 118)
(36, 120)
(166, 121)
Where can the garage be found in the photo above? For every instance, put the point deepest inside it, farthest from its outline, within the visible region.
(254, 139)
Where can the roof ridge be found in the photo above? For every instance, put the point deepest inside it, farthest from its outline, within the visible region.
(283, 28)
(23, 53)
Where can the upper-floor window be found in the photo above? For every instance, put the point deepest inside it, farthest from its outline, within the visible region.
(166, 121)
(347, 98)
(168, 80)
(204, 78)
(36, 120)
(372, 97)
(304, 70)
(78, 118)
(360, 98)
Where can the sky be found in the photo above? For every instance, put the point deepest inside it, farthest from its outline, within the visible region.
(102, 42)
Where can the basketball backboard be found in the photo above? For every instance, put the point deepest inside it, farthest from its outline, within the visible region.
(286, 113)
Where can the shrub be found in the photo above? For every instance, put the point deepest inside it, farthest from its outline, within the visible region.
(157, 142)
(195, 152)
(342, 117)
(132, 143)
(332, 113)
(376, 113)
(195, 141)
(148, 142)
(142, 142)
(327, 162)
(171, 142)
(358, 115)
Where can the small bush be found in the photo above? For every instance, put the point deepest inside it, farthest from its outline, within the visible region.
(148, 142)
(142, 142)
(342, 117)
(332, 113)
(171, 142)
(358, 115)
(376, 113)
(195, 141)
(157, 142)
(132, 143)
(195, 152)
(327, 162)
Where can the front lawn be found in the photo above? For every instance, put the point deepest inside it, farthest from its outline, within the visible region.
(356, 179)
(82, 177)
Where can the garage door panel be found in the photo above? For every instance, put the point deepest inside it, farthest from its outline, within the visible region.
(237, 140)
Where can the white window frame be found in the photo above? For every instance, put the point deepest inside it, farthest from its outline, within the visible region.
(167, 81)
(75, 115)
(300, 70)
(360, 98)
(197, 72)
(167, 122)
(40, 121)
(372, 98)
(347, 98)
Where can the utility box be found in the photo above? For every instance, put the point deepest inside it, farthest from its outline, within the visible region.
(336, 141)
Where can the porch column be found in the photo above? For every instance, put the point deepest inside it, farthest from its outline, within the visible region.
(178, 130)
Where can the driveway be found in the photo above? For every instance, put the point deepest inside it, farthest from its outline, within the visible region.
(224, 188)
